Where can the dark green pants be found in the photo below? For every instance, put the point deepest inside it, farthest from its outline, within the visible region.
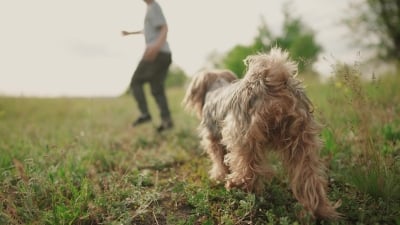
(155, 73)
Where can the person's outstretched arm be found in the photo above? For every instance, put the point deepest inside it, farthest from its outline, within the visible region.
(125, 33)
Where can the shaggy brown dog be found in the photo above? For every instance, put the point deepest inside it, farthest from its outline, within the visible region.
(267, 110)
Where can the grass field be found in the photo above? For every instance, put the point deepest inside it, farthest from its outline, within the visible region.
(78, 161)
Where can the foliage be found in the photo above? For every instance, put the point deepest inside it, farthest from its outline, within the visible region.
(299, 40)
(176, 77)
(296, 38)
(233, 60)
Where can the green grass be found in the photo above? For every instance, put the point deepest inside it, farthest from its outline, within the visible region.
(78, 161)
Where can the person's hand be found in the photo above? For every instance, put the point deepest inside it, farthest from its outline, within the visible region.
(124, 33)
(151, 53)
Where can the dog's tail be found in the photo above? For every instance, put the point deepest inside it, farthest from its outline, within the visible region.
(273, 69)
(203, 82)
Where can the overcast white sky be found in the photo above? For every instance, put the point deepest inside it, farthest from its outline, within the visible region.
(75, 47)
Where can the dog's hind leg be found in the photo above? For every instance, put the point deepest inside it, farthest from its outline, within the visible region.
(216, 152)
(248, 167)
(307, 176)
(246, 157)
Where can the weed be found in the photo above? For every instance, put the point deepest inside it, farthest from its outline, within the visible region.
(370, 169)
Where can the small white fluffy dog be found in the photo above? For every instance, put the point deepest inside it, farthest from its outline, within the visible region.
(268, 110)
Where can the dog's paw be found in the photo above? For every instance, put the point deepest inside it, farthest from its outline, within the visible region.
(218, 174)
(234, 183)
(229, 185)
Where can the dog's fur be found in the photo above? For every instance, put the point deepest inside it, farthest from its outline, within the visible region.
(267, 110)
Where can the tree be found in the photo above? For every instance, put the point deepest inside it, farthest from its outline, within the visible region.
(376, 25)
(176, 77)
(297, 38)
(233, 60)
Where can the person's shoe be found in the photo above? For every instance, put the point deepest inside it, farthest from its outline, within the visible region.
(141, 119)
(165, 125)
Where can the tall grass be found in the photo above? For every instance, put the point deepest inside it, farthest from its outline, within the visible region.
(78, 161)
(373, 167)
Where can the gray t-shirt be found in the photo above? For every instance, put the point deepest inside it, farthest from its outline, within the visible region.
(153, 21)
